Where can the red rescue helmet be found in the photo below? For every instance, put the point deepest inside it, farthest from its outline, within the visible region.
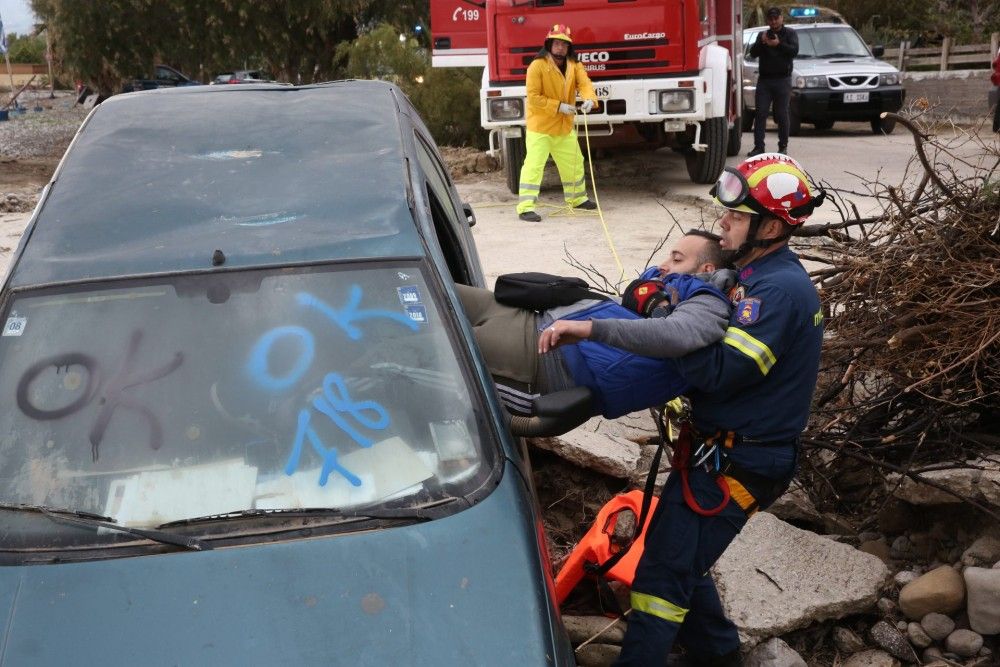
(560, 31)
(769, 184)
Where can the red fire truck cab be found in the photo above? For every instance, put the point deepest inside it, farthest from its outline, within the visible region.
(671, 69)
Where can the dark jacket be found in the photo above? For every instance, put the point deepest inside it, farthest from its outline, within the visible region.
(776, 62)
(759, 380)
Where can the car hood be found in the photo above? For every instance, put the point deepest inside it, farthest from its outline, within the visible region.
(825, 66)
(463, 590)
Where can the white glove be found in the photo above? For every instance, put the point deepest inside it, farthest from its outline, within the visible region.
(587, 106)
(567, 109)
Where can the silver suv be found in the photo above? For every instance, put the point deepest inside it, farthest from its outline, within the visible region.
(835, 77)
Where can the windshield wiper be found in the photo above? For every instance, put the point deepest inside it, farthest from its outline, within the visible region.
(842, 55)
(91, 520)
(423, 512)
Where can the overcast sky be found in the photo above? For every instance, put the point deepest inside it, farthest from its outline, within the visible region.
(17, 16)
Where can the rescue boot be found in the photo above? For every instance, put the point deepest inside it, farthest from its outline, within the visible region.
(587, 206)
(530, 216)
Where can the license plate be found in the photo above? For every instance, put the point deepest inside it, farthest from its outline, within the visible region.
(855, 97)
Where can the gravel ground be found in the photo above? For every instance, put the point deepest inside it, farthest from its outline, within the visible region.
(38, 134)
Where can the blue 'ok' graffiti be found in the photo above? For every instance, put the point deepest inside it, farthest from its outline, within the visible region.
(335, 401)
(333, 404)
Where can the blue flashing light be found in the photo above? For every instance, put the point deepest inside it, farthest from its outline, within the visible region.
(418, 28)
(803, 12)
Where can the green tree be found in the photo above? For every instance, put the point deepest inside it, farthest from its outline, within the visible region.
(25, 48)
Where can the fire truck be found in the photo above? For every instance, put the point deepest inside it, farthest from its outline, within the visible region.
(666, 71)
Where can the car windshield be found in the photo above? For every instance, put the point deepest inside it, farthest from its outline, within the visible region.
(200, 395)
(831, 43)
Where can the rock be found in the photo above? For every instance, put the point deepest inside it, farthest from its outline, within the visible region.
(847, 641)
(902, 625)
(877, 548)
(983, 552)
(837, 525)
(904, 577)
(608, 454)
(931, 654)
(964, 643)
(774, 653)
(901, 548)
(983, 587)
(937, 626)
(597, 655)
(980, 481)
(917, 636)
(891, 640)
(886, 607)
(941, 590)
(871, 658)
(896, 517)
(775, 578)
(795, 505)
(582, 628)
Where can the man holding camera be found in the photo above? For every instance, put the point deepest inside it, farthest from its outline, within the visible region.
(775, 49)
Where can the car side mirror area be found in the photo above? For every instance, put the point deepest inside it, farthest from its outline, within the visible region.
(555, 414)
(878, 50)
(470, 215)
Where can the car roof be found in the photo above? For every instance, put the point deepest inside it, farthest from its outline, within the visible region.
(157, 181)
(802, 26)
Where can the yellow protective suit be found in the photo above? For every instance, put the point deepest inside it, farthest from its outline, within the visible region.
(551, 133)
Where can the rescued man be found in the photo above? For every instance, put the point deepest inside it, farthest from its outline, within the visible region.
(665, 313)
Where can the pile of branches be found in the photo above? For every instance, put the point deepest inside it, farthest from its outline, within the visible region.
(911, 364)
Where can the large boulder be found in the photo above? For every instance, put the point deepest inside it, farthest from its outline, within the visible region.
(983, 586)
(980, 481)
(595, 450)
(941, 590)
(775, 578)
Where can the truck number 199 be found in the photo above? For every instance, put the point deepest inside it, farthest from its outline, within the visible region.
(465, 14)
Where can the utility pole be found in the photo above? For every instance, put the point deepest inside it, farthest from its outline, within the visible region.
(48, 59)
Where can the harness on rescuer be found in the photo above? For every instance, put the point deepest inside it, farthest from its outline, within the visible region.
(767, 185)
(598, 552)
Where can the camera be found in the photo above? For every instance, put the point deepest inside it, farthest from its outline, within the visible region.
(771, 34)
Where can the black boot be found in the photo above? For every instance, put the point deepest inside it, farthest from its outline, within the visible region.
(530, 216)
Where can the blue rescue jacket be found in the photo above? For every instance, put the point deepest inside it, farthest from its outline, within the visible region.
(624, 382)
(759, 379)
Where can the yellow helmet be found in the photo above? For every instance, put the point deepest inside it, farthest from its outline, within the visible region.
(560, 31)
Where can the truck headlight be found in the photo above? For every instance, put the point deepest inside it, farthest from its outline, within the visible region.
(675, 100)
(506, 108)
(890, 79)
(810, 82)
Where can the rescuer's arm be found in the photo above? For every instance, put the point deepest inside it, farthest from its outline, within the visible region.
(536, 97)
(788, 45)
(758, 334)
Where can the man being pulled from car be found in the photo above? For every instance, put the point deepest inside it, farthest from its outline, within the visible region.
(669, 311)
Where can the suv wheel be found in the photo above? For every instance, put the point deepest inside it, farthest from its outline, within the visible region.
(883, 125)
(794, 123)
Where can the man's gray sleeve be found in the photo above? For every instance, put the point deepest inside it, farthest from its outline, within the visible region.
(694, 324)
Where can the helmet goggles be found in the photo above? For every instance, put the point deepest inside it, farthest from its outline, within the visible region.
(732, 191)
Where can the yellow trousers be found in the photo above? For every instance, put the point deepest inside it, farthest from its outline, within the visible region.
(565, 151)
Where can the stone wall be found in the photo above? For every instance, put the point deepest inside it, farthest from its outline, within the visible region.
(959, 96)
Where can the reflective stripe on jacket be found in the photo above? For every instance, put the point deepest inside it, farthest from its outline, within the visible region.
(624, 382)
(547, 87)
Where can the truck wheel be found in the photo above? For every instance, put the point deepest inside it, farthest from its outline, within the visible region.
(747, 119)
(735, 138)
(705, 166)
(823, 124)
(514, 150)
(794, 123)
(883, 125)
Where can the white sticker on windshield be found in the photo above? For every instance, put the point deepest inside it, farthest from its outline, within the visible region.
(15, 325)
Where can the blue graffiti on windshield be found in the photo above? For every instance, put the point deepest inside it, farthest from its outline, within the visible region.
(258, 366)
(345, 317)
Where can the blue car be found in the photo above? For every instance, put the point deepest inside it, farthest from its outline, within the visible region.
(244, 421)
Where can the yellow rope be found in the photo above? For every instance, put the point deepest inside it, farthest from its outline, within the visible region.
(597, 200)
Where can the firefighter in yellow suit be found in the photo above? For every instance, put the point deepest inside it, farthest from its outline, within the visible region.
(554, 79)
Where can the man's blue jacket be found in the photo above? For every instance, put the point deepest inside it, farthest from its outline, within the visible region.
(624, 382)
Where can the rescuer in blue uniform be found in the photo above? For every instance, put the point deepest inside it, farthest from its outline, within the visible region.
(750, 402)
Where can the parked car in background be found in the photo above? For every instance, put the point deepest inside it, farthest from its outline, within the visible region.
(994, 96)
(242, 76)
(163, 76)
(835, 77)
(248, 423)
